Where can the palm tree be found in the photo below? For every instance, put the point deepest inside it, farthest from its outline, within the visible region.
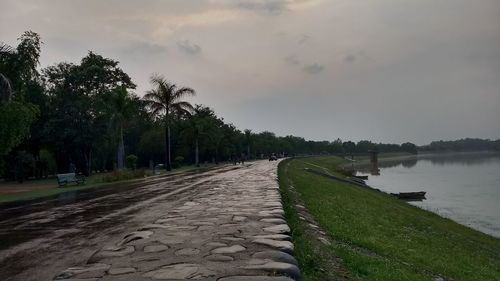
(200, 124)
(165, 101)
(6, 57)
(196, 129)
(121, 105)
(217, 138)
(248, 139)
(5, 88)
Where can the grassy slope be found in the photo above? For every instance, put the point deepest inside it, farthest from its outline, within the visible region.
(381, 238)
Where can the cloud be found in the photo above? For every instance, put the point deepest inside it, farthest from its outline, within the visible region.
(313, 68)
(189, 48)
(272, 7)
(427, 56)
(350, 58)
(304, 38)
(353, 57)
(292, 60)
(140, 48)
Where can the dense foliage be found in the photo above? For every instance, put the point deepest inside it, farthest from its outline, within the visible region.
(86, 115)
(19, 83)
(463, 145)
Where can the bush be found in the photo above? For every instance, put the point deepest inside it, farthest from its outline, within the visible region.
(24, 165)
(178, 161)
(48, 164)
(119, 175)
(345, 172)
(132, 161)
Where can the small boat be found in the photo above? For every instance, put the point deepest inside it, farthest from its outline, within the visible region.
(356, 179)
(410, 195)
(361, 177)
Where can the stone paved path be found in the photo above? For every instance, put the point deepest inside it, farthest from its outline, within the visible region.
(233, 229)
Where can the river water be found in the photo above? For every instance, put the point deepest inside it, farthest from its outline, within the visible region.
(462, 187)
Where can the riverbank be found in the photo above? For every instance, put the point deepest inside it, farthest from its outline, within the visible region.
(372, 236)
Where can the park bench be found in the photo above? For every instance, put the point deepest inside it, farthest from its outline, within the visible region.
(64, 179)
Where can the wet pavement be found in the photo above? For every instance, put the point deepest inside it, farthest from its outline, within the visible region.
(23, 221)
(223, 224)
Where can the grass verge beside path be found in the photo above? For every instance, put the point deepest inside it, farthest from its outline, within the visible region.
(375, 236)
(94, 181)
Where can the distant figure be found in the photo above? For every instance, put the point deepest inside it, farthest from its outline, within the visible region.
(273, 157)
(243, 158)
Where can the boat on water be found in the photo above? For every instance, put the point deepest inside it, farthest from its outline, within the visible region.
(419, 195)
(356, 179)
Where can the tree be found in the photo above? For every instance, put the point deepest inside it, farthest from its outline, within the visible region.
(152, 144)
(337, 146)
(121, 107)
(409, 147)
(7, 56)
(202, 128)
(198, 125)
(248, 140)
(15, 121)
(217, 136)
(349, 147)
(132, 162)
(17, 71)
(165, 101)
(19, 65)
(78, 116)
(5, 88)
(363, 146)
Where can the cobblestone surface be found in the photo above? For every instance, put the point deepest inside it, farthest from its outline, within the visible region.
(233, 229)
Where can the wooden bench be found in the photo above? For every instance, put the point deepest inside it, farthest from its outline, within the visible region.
(64, 179)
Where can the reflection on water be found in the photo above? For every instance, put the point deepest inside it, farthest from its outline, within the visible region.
(463, 187)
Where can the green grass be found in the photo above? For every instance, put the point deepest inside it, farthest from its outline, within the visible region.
(94, 181)
(45, 192)
(377, 237)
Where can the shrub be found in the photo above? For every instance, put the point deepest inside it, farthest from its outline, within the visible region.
(22, 166)
(47, 163)
(345, 172)
(119, 175)
(179, 159)
(132, 161)
(177, 162)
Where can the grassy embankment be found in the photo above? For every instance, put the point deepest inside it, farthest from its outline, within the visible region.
(375, 236)
(49, 187)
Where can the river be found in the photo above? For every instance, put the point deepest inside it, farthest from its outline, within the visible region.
(462, 187)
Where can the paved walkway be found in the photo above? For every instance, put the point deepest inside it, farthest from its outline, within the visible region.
(233, 229)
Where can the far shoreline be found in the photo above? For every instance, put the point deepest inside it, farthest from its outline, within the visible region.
(387, 157)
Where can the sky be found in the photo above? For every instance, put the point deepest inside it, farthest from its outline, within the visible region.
(382, 70)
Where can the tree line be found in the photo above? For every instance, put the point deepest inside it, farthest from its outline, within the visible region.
(462, 145)
(86, 115)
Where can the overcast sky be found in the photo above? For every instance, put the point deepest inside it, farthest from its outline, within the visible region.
(383, 70)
